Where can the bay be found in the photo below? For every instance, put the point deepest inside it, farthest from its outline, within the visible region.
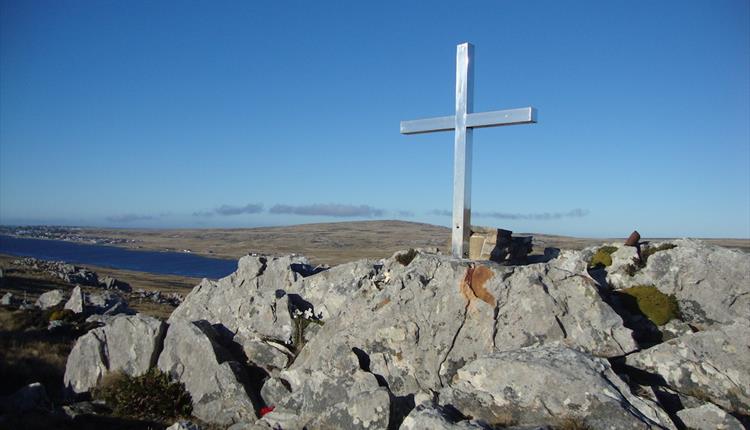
(162, 263)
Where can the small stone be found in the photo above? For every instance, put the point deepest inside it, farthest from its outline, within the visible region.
(8, 299)
(50, 299)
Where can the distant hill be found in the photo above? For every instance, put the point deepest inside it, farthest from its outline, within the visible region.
(329, 243)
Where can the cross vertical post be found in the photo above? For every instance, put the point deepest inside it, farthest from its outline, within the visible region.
(462, 149)
(463, 123)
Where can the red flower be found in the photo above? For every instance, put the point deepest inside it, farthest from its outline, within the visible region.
(266, 409)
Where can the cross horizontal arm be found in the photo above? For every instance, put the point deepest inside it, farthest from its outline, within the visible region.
(496, 118)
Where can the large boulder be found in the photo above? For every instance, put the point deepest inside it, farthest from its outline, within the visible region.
(711, 283)
(712, 365)
(549, 386)
(194, 355)
(50, 299)
(418, 320)
(127, 343)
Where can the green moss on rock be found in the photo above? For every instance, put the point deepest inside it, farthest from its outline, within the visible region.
(602, 257)
(658, 307)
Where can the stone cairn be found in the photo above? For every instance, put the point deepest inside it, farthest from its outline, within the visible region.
(498, 245)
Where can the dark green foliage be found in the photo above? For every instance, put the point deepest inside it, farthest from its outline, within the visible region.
(151, 396)
(406, 257)
(602, 257)
(658, 307)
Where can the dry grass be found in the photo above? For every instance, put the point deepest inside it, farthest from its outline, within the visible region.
(330, 243)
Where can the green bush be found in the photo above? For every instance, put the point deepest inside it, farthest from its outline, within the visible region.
(153, 396)
(658, 307)
(602, 257)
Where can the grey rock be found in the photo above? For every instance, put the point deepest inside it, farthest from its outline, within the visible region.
(78, 409)
(8, 299)
(711, 283)
(57, 325)
(710, 365)
(50, 299)
(128, 343)
(417, 324)
(194, 356)
(26, 399)
(267, 355)
(184, 425)
(708, 417)
(549, 386)
(111, 283)
(343, 396)
(251, 302)
(273, 391)
(107, 303)
(76, 301)
(424, 417)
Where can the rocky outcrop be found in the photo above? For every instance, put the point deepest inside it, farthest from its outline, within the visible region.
(712, 365)
(548, 386)
(50, 299)
(711, 283)
(359, 345)
(193, 355)
(127, 343)
(417, 324)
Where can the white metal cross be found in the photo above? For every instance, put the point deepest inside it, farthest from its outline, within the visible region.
(463, 122)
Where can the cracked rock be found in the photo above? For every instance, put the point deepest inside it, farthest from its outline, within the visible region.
(549, 386)
(193, 355)
(710, 365)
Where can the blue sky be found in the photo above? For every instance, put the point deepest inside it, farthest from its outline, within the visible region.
(242, 114)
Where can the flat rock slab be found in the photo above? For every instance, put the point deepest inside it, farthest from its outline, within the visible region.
(712, 365)
(548, 386)
(708, 417)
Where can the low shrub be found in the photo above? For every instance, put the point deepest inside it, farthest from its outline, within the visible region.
(602, 257)
(658, 307)
(62, 315)
(152, 396)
